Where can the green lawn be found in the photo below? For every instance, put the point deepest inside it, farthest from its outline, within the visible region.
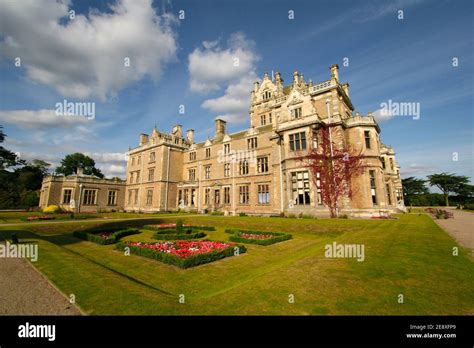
(410, 256)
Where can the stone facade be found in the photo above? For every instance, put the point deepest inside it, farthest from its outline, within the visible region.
(257, 170)
(82, 193)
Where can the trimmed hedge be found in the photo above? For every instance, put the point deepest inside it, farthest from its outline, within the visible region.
(191, 261)
(202, 228)
(172, 234)
(278, 237)
(92, 235)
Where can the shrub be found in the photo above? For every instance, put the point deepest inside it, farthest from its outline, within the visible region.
(52, 209)
(220, 213)
(186, 232)
(183, 262)
(343, 216)
(95, 235)
(171, 228)
(171, 234)
(469, 206)
(242, 214)
(236, 236)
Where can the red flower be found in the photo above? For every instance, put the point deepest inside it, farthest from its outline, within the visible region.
(183, 248)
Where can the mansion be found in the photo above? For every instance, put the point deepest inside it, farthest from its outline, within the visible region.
(254, 171)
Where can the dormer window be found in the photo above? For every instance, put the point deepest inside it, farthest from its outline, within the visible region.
(226, 149)
(267, 95)
(296, 113)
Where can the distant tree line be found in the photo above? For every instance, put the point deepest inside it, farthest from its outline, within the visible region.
(20, 181)
(456, 190)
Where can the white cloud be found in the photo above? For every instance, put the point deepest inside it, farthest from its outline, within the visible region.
(40, 119)
(382, 115)
(234, 105)
(213, 68)
(418, 169)
(110, 163)
(112, 170)
(84, 57)
(108, 156)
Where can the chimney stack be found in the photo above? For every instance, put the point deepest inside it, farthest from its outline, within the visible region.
(334, 71)
(190, 136)
(220, 128)
(143, 139)
(79, 171)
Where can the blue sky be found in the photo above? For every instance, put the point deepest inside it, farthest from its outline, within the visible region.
(185, 62)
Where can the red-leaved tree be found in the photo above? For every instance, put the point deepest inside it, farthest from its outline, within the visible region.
(337, 164)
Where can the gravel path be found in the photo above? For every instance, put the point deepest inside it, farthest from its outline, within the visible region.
(461, 228)
(24, 291)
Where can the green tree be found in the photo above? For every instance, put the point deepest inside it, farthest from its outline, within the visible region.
(447, 183)
(29, 199)
(7, 157)
(413, 188)
(30, 176)
(465, 193)
(72, 162)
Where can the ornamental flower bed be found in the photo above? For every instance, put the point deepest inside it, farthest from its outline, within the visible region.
(33, 218)
(105, 236)
(257, 237)
(183, 253)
